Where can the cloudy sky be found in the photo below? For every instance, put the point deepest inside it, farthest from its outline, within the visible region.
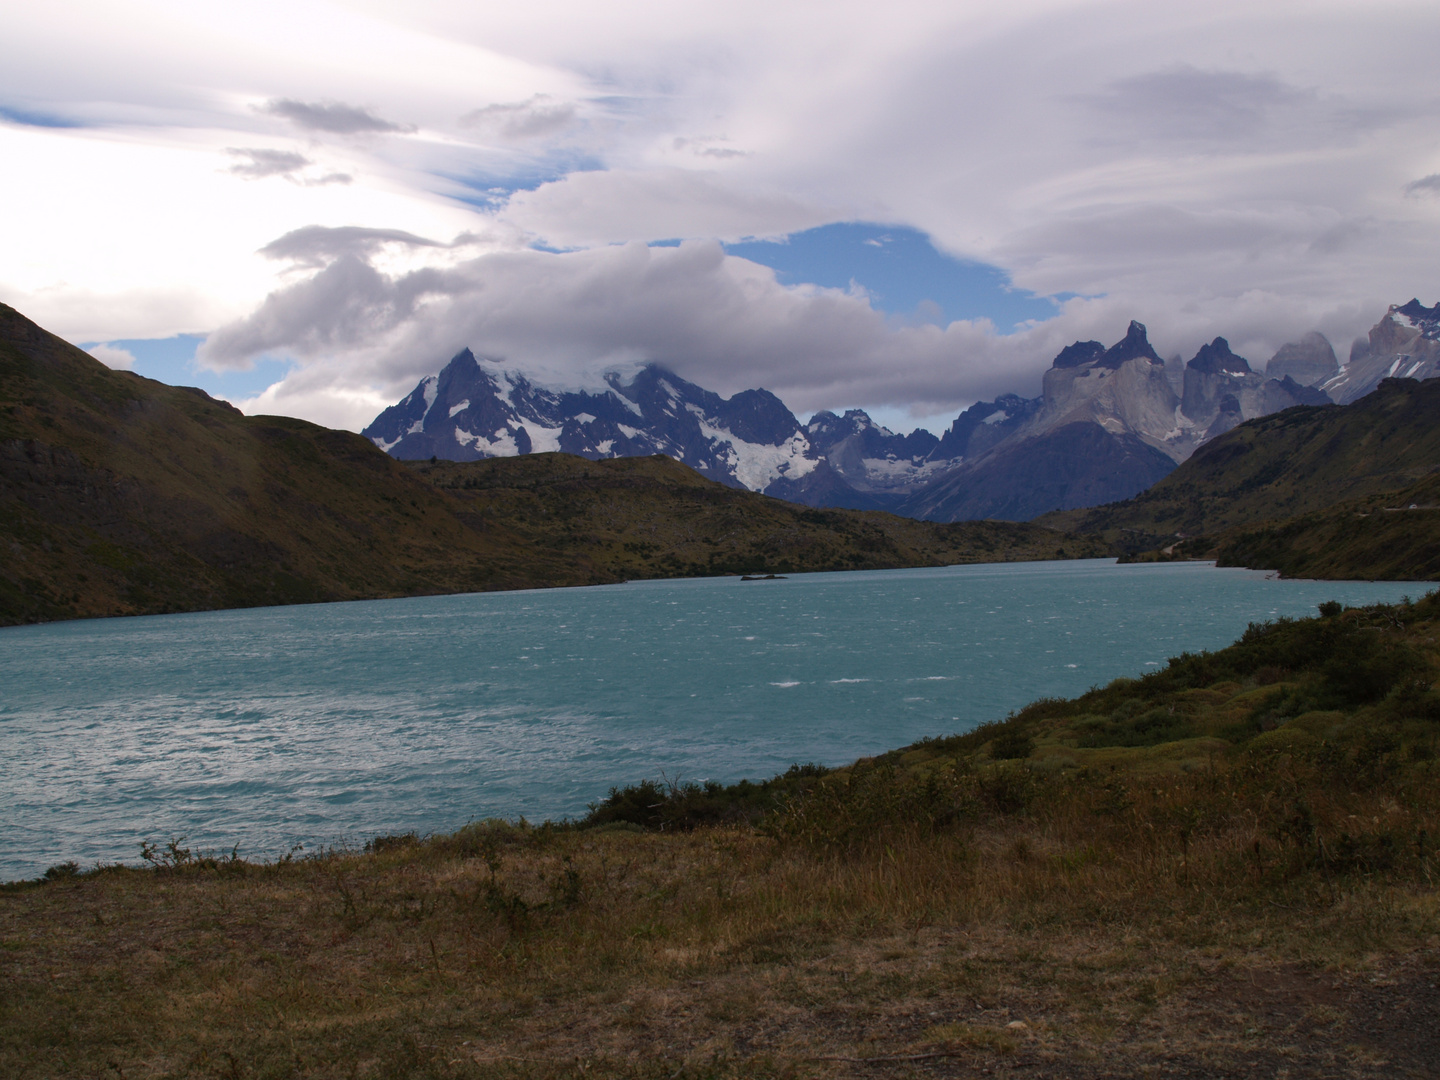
(308, 206)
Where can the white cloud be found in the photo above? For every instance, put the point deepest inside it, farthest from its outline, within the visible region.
(1239, 169)
(587, 208)
(534, 118)
(113, 357)
(364, 337)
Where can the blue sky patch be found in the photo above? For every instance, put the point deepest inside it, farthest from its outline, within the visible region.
(902, 272)
(172, 360)
(490, 192)
(36, 119)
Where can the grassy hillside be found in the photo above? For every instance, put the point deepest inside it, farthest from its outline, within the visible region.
(1291, 464)
(1388, 537)
(653, 517)
(120, 495)
(1224, 868)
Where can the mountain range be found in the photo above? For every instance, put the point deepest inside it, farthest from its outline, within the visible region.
(1109, 422)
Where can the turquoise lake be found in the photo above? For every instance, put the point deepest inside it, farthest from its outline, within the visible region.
(332, 723)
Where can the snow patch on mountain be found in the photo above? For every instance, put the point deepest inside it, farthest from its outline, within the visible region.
(627, 403)
(544, 440)
(757, 465)
(502, 444)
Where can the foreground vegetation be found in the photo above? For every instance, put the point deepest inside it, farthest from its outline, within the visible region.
(1226, 866)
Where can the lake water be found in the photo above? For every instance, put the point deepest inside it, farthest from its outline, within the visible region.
(333, 723)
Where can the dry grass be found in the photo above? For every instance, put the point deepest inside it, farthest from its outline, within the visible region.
(724, 952)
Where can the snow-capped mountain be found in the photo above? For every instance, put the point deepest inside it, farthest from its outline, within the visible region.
(473, 410)
(1404, 344)
(873, 459)
(1108, 423)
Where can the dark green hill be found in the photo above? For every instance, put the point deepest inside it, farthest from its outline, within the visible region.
(1390, 537)
(1291, 464)
(121, 495)
(654, 517)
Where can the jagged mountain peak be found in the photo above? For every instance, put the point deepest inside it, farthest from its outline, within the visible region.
(873, 460)
(759, 416)
(1216, 357)
(1134, 345)
(1079, 354)
(1123, 389)
(1418, 312)
(825, 427)
(1405, 344)
(1416, 316)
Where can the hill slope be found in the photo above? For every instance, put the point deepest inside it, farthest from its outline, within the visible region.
(654, 517)
(120, 495)
(1390, 537)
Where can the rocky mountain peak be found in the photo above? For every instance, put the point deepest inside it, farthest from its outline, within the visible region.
(1309, 361)
(1079, 354)
(1418, 312)
(1134, 345)
(1221, 391)
(1405, 344)
(1216, 358)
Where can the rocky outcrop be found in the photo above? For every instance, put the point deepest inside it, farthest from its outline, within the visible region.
(1309, 361)
(1123, 389)
(1215, 381)
(1222, 391)
(1405, 344)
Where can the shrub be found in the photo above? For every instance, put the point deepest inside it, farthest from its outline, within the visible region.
(1012, 746)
